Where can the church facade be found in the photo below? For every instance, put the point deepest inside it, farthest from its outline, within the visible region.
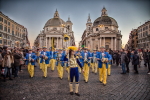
(102, 32)
(54, 31)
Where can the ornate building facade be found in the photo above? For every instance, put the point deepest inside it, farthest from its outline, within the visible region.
(139, 38)
(54, 31)
(144, 35)
(132, 43)
(12, 34)
(102, 32)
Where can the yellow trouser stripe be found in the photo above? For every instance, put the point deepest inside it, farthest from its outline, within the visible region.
(109, 69)
(103, 74)
(52, 64)
(86, 72)
(31, 69)
(60, 70)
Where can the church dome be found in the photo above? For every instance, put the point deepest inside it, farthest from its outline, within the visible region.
(56, 21)
(105, 20)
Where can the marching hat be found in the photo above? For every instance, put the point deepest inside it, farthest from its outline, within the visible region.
(102, 47)
(44, 47)
(94, 50)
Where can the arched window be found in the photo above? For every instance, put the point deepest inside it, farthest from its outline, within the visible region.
(96, 29)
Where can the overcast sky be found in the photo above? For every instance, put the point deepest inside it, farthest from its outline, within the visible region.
(33, 14)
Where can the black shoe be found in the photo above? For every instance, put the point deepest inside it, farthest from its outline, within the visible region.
(104, 84)
(4, 80)
(10, 79)
(86, 82)
(136, 72)
(71, 93)
(122, 73)
(108, 75)
(100, 81)
(77, 94)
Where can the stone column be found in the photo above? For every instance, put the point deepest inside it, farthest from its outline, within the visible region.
(104, 42)
(57, 42)
(115, 43)
(50, 42)
(46, 42)
(90, 43)
(100, 40)
(112, 45)
(98, 43)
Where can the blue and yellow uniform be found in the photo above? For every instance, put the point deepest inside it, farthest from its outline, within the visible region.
(109, 65)
(85, 62)
(30, 62)
(53, 59)
(103, 66)
(45, 57)
(60, 64)
(94, 62)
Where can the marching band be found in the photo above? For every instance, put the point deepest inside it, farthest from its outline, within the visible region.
(72, 60)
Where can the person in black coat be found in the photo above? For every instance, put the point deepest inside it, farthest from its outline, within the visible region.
(135, 61)
(127, 60)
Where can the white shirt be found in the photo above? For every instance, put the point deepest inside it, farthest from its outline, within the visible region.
(29, 57)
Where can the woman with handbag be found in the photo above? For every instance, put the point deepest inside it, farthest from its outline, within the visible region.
(7, 65)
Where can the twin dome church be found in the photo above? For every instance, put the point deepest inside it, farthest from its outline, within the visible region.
(102, 32)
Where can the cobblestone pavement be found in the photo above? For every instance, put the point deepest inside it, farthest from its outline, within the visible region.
(119, 87)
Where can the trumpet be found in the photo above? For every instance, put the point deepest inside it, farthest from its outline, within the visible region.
(45, 57)
(104, 60)
(58, 56)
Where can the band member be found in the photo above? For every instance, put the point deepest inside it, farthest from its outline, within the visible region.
(78, 54)
(45, 56)
(94, 62)
(53, 54)
(30, 62)
(60, 63)
(85, 62)
(109, 63)
(103, 59)
(38, 57)
(74, 73)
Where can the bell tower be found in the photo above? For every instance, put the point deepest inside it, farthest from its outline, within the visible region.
(89, 23)
(56, 14)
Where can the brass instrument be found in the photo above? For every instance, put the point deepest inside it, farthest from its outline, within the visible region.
(104, 60)
(58, 56)
(66, 38)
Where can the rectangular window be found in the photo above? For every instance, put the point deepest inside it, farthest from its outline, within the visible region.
(1, 27)
(5, 29)
(1, 19)
(13, 33)
(5, 21)
(0, 41)
(9, 30)
(9, 23)
(106, 28)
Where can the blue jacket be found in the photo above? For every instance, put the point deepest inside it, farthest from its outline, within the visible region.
(99, 55)
(53, 54)
(47, 54)
(61, 59)
(33, 56)
(110, 62)
(82, 59)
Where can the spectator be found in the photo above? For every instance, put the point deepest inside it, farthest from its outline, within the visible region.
(123, 54)
(17, 57)
(148, 61)
(127, 60)
(7, 64)
(135, 61)
(140, 57)
(145, 57)
(117, 58)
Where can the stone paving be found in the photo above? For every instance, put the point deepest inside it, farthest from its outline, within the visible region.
(119, 87)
